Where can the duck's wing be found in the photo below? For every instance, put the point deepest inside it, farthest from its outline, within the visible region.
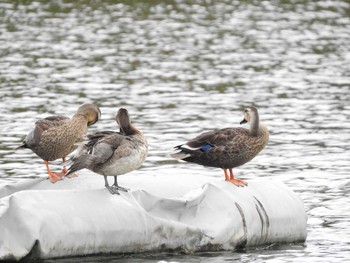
(55, 118)
(210, 140)
(100, 135)
(102, 146)
(228, 136)
(95, 137)
(50, 122)
(217, 137)
(105, 148)
(34, 136)
(87, 146)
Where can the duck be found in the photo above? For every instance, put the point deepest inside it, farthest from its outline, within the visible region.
(54, 137)
(112, 153)
(227, 148)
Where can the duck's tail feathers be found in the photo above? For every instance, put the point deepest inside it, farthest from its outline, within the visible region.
(80, 149)
(80, 163)
(180, 155)
(183, 151)
(22, 146)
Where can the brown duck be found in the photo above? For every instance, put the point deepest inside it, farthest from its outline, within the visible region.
(112, 153)
(227, 148)
(54, 137)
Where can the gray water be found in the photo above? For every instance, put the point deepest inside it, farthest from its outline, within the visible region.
(183, 67)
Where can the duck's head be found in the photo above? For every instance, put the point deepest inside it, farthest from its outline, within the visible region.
(123, 120)
(91, 112)
(249, 114)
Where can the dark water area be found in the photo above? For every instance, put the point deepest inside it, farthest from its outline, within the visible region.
(184, 67)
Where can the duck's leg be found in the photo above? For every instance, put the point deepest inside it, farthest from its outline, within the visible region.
(64, 169)
(115, 185)
(227, 178)
(54, 177)
(235, 181)
(111, 189)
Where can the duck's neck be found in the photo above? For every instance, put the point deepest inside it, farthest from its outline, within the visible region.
(254, 126)
(129, 130)
(79, 118)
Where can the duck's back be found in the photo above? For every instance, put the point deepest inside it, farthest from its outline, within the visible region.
(54, 137)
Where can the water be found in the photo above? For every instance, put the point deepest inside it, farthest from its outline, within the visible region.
(183, 67)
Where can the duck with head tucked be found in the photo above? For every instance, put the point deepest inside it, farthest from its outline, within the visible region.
(111, 153)
(54, 137)
(227, 148)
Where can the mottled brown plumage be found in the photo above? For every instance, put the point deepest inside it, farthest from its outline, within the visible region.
(112, 153)
(54, 137)
(227, 148)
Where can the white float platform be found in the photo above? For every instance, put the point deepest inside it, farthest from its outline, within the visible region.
(188, 213)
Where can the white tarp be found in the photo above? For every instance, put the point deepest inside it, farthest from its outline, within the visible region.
(79, 216)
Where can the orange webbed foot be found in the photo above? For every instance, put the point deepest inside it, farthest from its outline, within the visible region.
(64, 170)
(231, 178)
(54, 177)
(237, 182)
(63, 173)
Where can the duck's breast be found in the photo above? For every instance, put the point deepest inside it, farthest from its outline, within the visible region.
(246, 147)
(130, 159)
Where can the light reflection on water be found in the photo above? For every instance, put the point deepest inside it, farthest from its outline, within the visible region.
(183, 67)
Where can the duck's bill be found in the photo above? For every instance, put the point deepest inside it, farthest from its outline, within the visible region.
(243, 121)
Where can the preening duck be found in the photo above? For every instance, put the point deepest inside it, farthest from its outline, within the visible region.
(227, 148)
(111, 153)
(54, 137)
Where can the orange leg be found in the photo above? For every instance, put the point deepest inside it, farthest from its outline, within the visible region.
(227, 178)
(231, 174)
(233, 180)
(64, 170)
(54, 177)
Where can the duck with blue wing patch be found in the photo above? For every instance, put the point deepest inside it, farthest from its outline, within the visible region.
(227, 148)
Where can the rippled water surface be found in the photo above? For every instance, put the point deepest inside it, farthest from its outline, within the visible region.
(183, 67)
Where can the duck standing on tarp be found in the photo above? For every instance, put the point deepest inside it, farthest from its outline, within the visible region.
(54, 137)
(112, 153)
(227, 148)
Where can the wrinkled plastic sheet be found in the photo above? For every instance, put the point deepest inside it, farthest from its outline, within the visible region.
(190, 213)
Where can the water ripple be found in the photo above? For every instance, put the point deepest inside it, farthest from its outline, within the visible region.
(182, 67)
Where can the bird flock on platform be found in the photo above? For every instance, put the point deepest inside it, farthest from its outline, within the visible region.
(114, 153)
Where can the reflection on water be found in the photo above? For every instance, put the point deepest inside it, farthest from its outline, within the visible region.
(182, 67)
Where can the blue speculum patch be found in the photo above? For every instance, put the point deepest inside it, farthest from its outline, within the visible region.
(206, 147)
